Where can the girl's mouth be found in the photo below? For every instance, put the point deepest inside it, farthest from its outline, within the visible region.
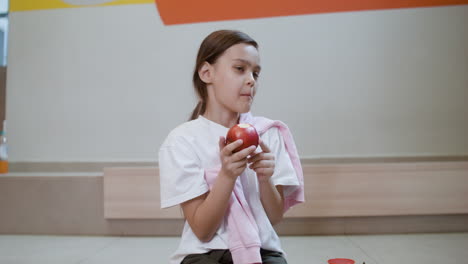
(247, 96)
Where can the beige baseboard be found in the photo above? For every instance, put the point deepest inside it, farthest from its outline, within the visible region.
(331, 190)
(75, 206)
(425, 196)
(73, 167)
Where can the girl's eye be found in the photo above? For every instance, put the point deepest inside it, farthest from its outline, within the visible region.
(239, 68)
(256, 75)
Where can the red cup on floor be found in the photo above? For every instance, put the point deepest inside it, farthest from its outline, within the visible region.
(340, 261)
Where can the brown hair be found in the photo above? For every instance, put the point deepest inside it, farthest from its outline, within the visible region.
(213, 46)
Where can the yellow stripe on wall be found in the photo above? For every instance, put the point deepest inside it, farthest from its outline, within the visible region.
(27, 5)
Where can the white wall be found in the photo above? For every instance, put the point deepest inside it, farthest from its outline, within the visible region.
(109, 83)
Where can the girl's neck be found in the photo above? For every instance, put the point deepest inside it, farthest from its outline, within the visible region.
(224, 118)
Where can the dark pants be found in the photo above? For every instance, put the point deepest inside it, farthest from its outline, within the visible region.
(223, 256)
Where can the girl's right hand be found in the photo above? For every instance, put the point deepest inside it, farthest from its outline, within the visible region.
(233, 164)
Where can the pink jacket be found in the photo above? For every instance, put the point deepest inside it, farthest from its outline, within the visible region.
(244, 242)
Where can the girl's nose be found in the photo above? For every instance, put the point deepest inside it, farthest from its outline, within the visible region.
(251, 80)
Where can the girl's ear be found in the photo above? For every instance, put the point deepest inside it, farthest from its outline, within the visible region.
(206, 72)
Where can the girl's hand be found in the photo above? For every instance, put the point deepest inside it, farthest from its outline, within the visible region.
(263, 163)
(233, 164)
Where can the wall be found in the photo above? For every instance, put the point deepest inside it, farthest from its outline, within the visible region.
(3, 71)
(106, 84)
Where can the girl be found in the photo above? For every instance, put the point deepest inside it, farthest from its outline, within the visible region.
(230, 200)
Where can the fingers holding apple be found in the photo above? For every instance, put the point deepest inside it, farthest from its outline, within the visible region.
(264, 154)
(233, 163)
(263, 163)
(241, 141)
(226, 148)
(264, 147)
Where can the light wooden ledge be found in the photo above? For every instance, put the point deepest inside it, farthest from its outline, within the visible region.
(332, 190)
(74, 167)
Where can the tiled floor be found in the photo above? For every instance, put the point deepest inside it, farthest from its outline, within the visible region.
(375, 249)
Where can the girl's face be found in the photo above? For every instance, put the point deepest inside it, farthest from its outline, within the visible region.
(235, 75)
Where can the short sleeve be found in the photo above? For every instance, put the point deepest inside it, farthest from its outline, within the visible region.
(285, 173)
(181, 176)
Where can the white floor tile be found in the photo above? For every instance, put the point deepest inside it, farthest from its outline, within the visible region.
(415, 248)
(372, 249)
(319, 249)
(49, 249)
(139, 250)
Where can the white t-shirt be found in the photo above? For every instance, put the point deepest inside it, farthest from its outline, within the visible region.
(191, 148)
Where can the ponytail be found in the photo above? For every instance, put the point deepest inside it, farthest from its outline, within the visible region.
(199, 110)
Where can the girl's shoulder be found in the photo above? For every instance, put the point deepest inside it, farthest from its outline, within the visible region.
(182, 134)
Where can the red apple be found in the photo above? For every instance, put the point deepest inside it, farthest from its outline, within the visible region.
(246, 132)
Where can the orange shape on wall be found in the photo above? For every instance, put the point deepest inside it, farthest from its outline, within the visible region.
(193, 11)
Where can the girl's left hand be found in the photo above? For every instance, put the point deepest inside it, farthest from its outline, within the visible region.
(263, 163)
